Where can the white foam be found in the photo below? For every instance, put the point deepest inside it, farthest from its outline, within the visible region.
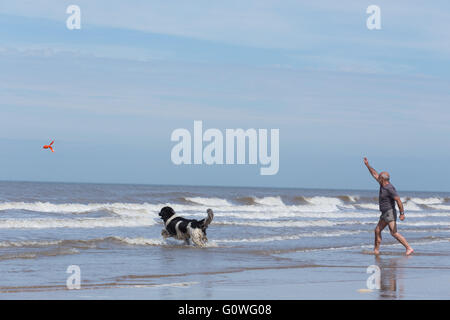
(427, 214)
(440, 206)
(209, 201)
(74, 242)
(266, 208)
(324, 201)
(74, 223)
(291, 237)
(50, 207)
(322, 204)
(270, 201)
(47, 207)
(371, 206)
(426, 230)
(411, 206)
(293, 213)
(7, 244)
(427, 200)
(288, 223)
(427, 223)
(140, 241)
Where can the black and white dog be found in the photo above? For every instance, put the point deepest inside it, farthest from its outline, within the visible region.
(185, 229)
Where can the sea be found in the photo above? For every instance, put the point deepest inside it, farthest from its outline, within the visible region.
(260, 239)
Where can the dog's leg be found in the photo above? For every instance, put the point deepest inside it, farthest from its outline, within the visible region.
(187, 242)
(165, 234)
(197, 236)
(198, 242)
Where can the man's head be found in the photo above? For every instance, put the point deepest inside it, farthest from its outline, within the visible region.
(383, 178)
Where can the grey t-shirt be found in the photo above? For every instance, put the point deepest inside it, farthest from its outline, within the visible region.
(386, 197)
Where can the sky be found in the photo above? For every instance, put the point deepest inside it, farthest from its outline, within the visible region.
(111, 93)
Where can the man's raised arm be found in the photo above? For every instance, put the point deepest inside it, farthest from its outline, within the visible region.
(372, 171)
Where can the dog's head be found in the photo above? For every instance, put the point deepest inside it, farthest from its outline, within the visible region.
(166, 213)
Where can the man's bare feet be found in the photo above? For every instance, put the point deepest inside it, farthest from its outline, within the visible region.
(409, 251)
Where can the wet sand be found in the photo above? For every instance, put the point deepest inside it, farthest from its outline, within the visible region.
(336, 274)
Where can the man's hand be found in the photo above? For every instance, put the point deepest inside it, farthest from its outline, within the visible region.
(372, 171)
(400, 208)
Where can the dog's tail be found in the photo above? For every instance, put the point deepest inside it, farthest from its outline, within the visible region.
(208, 219)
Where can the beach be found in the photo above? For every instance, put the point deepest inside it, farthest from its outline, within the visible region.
(263, 243)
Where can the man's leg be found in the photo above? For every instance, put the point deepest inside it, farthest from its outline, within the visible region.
(399, 237)
(380, 226)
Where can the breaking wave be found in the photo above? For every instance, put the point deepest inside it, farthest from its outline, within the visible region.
(290, 237)
(80, 244)
(74, 223)
(300, 203)
(259, 211)
(213, 202)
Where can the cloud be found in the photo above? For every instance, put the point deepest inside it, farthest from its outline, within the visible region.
(137, 70)
(261, 23)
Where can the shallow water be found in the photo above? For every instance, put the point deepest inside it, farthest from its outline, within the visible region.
(112, 232)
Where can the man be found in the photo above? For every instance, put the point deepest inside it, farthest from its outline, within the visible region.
(387, 198)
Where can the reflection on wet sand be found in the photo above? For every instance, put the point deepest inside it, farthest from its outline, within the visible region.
(391, 277)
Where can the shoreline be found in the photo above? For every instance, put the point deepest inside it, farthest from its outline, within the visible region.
(402, 277)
